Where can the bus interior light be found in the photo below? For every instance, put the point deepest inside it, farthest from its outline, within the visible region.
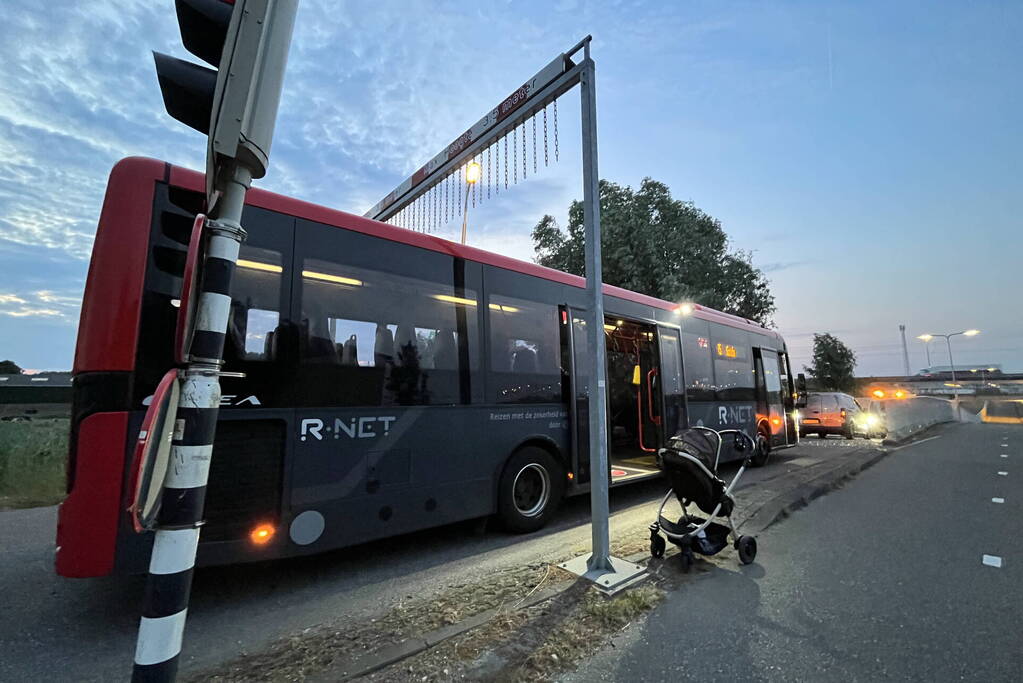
(503, 308)
(262, 533)
(327, 277)
(258, 265)
(454, 299)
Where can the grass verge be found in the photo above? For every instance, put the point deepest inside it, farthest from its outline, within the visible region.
(32, 456)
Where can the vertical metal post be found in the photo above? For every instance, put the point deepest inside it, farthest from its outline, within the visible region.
(927, 349)
(609, 574)
(165, 605)
(600, 559)
(955, 389)
(905, 350)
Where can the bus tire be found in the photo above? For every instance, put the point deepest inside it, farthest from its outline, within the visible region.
(530, 490)
(763, 450)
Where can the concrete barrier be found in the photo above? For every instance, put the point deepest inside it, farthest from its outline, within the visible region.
(906, 417)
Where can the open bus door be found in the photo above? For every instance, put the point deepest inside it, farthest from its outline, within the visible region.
(574, 328)
(788, 399)
(635, 395)
(671, 385)
(770, 411)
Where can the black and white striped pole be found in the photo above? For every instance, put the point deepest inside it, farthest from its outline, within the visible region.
(237, 107)
(165, 604)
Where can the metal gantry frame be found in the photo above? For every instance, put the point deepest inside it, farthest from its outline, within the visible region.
(562, 74)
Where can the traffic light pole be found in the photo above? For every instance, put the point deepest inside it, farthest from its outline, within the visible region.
(169, 585)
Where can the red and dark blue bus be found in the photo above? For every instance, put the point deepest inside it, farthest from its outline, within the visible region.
(392, 381)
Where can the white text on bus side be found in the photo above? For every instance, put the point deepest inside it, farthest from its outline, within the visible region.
(355, 428)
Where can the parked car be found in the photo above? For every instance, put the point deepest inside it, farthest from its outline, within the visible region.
(834, 413)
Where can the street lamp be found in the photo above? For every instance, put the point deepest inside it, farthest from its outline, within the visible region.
(926, 339)
(948, 343)
(473, 172)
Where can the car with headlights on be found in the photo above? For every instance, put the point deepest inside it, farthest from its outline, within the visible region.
(832, 412)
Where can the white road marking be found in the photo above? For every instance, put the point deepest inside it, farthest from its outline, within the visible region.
(997, 500)
(991, 560)
(1003, 474)
(1004, 455)
(898, 448)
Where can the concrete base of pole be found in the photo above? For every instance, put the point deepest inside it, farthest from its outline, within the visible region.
(608, 581)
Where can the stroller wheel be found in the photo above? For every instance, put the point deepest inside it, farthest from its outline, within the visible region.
(687, 559)
(657, 546)
(747, 547)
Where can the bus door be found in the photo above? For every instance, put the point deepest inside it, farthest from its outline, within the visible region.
(770, 409)
(672, 387)
(574, 329)
(788, 399)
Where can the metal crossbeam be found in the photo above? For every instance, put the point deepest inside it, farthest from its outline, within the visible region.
(554, 80)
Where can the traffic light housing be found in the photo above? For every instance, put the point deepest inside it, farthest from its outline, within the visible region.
(235, 105)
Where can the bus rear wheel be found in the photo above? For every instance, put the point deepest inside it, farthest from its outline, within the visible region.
(530, 491)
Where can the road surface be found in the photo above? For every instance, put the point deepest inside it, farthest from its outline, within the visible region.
(892, 577)
(53, 626)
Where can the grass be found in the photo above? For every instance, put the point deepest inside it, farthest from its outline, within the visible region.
(32, 456)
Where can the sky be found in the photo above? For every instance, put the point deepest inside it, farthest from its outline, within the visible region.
(867, 153)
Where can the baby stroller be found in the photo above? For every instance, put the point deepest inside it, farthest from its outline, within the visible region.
(691, 463)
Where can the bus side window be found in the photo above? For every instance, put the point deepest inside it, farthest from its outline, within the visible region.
(255, 302)
(733, 364)
(525, 351)
(378, 338)
(697, 360)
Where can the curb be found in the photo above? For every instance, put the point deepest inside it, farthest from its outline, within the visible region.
(782, 506)
(909, 438)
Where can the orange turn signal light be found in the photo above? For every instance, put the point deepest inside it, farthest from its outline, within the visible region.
(262, 534)
(900, 394)
(571, 476)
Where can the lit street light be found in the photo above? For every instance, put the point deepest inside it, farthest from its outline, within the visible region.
(948, 343)
(473, 172)
(926, 339)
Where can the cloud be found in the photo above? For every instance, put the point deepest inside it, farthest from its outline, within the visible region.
(776, 266)
(11, 299)
(25, 312)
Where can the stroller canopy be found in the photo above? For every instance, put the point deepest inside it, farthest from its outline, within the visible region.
(688, 463)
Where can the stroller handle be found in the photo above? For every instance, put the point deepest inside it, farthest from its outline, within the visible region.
(718, 433)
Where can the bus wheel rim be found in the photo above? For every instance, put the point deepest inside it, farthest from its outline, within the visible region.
(531, 489)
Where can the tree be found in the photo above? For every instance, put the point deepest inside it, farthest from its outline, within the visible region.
(833, 363)
(661, 246)
(9, 367)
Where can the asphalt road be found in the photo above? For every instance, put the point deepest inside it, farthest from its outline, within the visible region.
(884, 578)
(54, 628)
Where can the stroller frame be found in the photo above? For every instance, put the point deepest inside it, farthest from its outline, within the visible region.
(746, 545)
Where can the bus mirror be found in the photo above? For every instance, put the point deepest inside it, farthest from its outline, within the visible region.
(152, 453)
(800, 390)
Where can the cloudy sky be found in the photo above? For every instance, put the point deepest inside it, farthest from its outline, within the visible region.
(868, 153)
